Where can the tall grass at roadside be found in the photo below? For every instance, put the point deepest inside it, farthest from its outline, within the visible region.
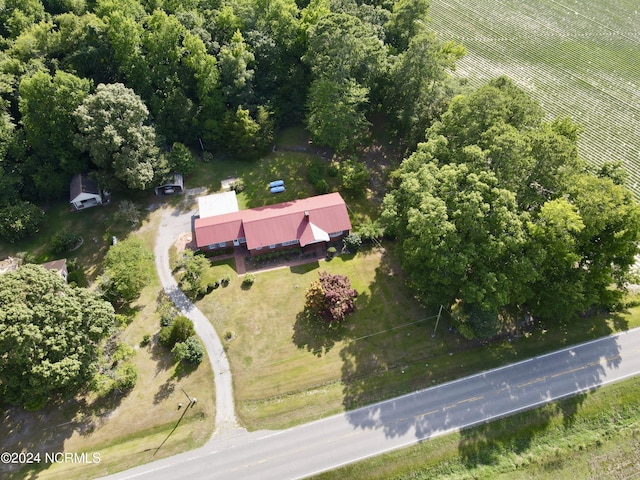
(594, 435)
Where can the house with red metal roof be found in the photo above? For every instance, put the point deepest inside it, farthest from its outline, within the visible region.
(299, 223)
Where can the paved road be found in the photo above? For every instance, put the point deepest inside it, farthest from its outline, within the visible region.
(175, 222)
(322, 445)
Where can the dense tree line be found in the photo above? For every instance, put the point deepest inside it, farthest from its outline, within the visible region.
(111, 85)
(496, 212)
(499, 218)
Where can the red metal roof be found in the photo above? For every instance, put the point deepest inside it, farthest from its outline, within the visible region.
(274, 224)
(218, 229)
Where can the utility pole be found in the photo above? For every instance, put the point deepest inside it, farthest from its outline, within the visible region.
(437, 320)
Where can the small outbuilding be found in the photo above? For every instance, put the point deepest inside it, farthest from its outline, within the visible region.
(171, 185)
(58, 266)
(84, 192)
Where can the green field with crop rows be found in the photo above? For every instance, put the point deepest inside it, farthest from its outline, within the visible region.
(578, 58)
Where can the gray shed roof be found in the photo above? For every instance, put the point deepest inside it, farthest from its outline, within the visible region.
(81, 183)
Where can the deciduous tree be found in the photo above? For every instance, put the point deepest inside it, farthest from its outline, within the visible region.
(128, 268)
(20, 220)
(336, 113)
(496, 212)
(191, 350)
(113, 131)
(331, 297)
(462, 235)
(49, 336)
(236, 72)
(47, 104)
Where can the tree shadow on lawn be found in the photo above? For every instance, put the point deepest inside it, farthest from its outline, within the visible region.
(39, 432)
(405, 358)
(46, 430)
(315, 335)
(161, 356)
(181, 371)
(383, 347)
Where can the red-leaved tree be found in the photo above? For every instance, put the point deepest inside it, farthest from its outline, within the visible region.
(331, 297)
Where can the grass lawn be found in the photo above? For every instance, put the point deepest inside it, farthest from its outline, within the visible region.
(125, 431)
(288, 370)
(594, 435)
(290, 166)
(95, 225)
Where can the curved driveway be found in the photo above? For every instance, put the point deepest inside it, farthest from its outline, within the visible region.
(328, 443)
(174, 223)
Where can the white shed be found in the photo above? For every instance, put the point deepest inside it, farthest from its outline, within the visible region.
(84, 193)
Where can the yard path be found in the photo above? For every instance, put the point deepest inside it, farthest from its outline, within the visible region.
(175, 222)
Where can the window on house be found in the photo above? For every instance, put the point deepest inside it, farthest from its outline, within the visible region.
(222, 244)
(336, 234)
(272, 246)
(242, 240)
(290, 242)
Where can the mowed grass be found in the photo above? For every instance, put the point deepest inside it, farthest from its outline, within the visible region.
(289, 369)
(282, 164)
(593, 435)
(578, 59)
(138, 427)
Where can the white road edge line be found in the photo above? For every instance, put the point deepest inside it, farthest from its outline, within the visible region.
(471, 424)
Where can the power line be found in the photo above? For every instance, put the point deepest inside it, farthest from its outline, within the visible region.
(352, 340)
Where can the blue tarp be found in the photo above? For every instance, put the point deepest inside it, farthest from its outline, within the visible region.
(276, 183)
(277, 189)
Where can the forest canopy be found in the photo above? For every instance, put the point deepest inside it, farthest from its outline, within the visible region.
(498, 216)
(494, 208)
(216, 75)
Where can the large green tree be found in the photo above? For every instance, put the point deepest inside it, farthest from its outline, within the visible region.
(49, 336)
(418, 87)
(128, 268)
(247, 137)
(343, 46)
(497, 213)
(17, 15)
(81, 46)
(347, 59)
(462, 235)
(236, 72)
(20, 220)
(408, 18)
(336, 113)
(47, 104)
(113, 131)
